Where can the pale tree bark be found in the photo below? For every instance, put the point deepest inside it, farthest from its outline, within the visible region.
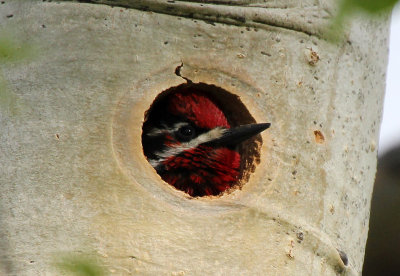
(73, 175)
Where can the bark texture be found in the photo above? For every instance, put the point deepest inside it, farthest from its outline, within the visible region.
(73, 175)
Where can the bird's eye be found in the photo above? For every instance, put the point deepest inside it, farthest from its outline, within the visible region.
(186, 133)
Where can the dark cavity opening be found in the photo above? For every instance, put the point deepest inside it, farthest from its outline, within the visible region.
(188, 169)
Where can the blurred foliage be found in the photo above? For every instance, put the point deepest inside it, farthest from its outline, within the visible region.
(80, 265)
(348, 7)
(12, 51)
(370, 6)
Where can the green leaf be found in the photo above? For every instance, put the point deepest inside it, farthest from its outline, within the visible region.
(12, 50)
(373, 6)
(346, 10)
(79, 265)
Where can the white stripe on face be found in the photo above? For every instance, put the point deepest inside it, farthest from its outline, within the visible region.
(175, 150)
(165, 129)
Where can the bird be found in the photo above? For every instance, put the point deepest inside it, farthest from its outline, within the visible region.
(189, 141)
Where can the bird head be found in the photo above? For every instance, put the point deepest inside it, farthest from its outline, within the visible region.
(189, 141)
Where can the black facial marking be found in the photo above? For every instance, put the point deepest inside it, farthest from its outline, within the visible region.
(186, 133)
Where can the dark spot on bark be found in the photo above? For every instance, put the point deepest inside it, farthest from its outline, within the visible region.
(143, 8)
(300, 237)
(241, 19)
(343, 257)
(319, 137)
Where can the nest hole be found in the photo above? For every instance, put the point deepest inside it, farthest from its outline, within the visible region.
(236, 114)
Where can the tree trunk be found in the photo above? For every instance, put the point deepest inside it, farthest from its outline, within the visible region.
(74, 178)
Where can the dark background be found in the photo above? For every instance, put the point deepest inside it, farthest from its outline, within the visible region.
(383, 245)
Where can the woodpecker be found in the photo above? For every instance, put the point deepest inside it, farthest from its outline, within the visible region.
(190, 143)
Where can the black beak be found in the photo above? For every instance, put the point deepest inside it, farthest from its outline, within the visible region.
(236, 135)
